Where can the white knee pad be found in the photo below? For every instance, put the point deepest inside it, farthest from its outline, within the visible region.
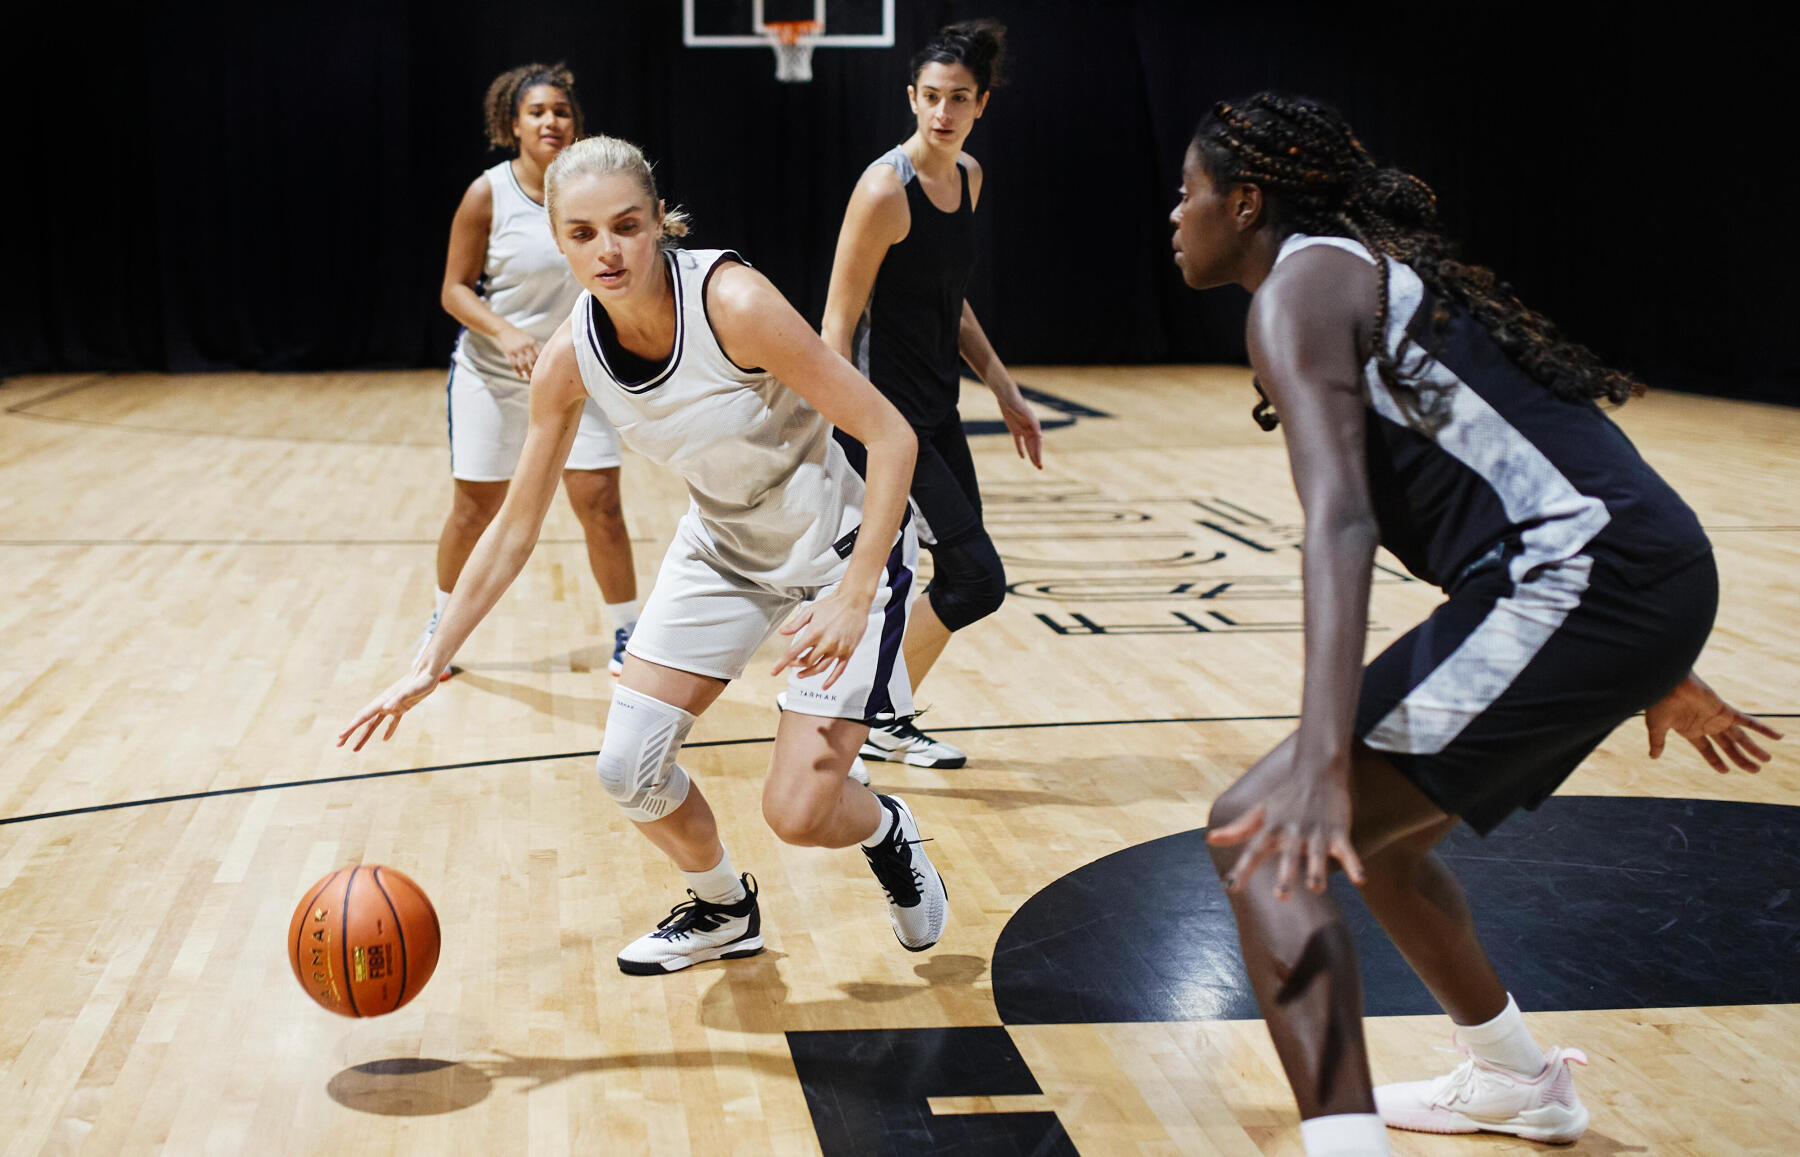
(637, 755)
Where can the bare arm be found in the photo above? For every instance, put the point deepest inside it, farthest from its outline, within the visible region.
(972, 342)
(1303, 345)
(758, 327)
(504, 547)
(557, 397)
(463, 265)
(876, 219)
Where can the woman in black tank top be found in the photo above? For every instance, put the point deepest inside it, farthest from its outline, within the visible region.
(897, 311)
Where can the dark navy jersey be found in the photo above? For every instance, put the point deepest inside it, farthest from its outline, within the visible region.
(1514, 474)
(906, 342)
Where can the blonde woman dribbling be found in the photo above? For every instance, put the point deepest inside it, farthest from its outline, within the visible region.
(705, 368)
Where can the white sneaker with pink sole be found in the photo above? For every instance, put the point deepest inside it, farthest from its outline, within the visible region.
(1478, 1097)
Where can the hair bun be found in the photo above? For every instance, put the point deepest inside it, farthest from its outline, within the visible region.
(1396, 195)
(978, 45)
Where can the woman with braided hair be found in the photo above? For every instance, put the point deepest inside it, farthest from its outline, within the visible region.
(509, 286)
(1428, 411)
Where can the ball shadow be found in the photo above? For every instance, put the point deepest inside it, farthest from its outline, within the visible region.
(409, 1087)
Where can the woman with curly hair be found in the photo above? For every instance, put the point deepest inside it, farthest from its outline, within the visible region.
(510, 288)
(1428, 411)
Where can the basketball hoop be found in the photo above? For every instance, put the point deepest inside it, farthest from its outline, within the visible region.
(792, 42)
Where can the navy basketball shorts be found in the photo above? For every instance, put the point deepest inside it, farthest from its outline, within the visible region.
(1494, 700)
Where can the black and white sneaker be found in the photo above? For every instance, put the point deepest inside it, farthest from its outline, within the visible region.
(918, 902)
(894, 739)
(696, 931)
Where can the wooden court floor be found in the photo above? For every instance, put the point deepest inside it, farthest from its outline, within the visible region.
(206, 576)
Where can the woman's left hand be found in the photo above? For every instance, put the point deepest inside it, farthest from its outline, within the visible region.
(1305, 820)
(825, 635)
(1027, 434)
(1695, 712)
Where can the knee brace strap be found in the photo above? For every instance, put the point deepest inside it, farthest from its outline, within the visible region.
(637, 755)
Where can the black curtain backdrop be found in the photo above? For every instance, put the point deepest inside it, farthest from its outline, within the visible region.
(270, 185)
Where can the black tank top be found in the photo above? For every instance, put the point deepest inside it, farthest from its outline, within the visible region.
(906, 341)
(1515, 475)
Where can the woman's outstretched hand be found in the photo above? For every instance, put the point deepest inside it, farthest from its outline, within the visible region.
(391, 704)
(1695, 712)
(1304, 821)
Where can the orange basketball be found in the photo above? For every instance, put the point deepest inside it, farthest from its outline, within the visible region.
(364, 940)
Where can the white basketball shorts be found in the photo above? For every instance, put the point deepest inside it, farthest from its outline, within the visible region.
(489, 414)
(701, 617)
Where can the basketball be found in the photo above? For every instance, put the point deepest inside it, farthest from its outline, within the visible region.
(364, 940)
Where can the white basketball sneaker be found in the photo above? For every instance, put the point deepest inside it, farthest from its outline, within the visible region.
(696, 931)
(894, 739)
(1478, 1097)
(918, 902)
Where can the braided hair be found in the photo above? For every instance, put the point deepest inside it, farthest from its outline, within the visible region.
(501, 104)
(1317, 178)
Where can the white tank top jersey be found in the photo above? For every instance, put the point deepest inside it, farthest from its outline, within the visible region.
(526, 280)
(773, 492)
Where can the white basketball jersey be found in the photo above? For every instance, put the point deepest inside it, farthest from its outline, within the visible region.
(526, 280)
(772, 490)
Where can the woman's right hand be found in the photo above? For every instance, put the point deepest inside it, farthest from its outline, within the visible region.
(1303, 822)
(391, 704)
(520, 348)
(1695, 712)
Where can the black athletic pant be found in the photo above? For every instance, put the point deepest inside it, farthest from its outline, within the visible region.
(968, 581)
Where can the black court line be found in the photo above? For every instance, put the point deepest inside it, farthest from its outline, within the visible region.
(589, 754)
(1071, 411)
(24, 542)
(130, 803)
(23, 410)
(186, 432)
(60, 391)
(997, 532)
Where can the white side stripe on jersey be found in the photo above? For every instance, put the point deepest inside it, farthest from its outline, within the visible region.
(1549, 574)
(1480, 670)
(1529, 487)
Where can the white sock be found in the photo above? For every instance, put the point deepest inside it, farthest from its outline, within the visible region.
(719, 884)
(881, 829)
(443, 600)
(622, 615)
(1505, 1041)
(1345, 1135)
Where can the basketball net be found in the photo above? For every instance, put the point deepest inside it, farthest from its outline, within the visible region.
(792, 42)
